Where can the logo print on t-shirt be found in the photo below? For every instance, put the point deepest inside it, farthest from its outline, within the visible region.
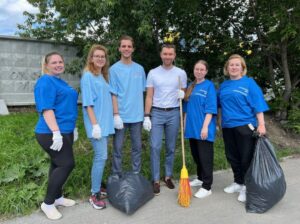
(201, 92)
(241, 90)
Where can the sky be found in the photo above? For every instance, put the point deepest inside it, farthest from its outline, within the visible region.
(11, 14)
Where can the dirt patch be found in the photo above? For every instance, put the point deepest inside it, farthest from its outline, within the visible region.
(280, 136)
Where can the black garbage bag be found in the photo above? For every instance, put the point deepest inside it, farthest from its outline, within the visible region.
(264, 180)
(128, 191)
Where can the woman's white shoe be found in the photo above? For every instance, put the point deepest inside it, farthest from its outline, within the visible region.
(195, 183)
(66, 202)
(242, 195)
(232, 188)
(202, 193)
(50, 211)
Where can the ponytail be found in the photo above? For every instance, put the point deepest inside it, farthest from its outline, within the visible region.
(190, 90)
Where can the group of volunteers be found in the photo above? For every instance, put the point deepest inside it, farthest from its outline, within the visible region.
(113, 101)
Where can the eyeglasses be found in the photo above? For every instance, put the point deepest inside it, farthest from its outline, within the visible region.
(99, 57)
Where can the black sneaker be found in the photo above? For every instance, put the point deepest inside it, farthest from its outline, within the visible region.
(156, 188)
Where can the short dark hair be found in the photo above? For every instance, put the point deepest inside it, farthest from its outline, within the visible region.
(168, 46)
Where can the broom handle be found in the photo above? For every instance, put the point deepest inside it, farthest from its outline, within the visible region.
(181, 126)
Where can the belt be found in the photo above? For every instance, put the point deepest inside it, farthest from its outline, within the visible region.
(166, 109)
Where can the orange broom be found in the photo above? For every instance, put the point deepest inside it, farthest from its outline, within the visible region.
(184, 192)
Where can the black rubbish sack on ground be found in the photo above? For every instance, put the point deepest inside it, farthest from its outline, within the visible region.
(129, 191)
(264, 180)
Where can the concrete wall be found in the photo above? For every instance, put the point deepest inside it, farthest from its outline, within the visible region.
(20, 67)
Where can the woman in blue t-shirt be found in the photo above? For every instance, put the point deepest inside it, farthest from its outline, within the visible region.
(97, 115)
(56, 103)
(200, 126)
(242, 105)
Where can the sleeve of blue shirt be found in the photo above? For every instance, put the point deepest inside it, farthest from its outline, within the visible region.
(86, 90)
(113, 82)
(211, 100)
(45, 94)
(144, 79)
(111, 89)
(256, 97)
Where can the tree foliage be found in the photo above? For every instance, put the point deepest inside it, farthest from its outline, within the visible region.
(265, 32)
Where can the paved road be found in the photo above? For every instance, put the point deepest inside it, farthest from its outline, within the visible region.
(219, 208)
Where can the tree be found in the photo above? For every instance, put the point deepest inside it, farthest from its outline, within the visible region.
(265, 32)
(277, 26)
(203, 26)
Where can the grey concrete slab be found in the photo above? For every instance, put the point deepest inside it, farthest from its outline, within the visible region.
(219, 208)
(20, 67)
(3, 108)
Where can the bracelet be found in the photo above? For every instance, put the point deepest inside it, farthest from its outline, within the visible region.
(116, 113)
(147, 115)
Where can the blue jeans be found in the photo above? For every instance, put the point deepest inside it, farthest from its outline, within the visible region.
(167, 122)
(135, 130)
(100, 156)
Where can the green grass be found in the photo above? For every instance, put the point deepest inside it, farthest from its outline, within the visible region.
(24, 165)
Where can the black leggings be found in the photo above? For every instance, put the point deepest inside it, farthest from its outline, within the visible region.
(62, 163)
(239, 149)
(203, 155)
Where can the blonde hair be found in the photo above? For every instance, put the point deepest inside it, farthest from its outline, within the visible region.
(46, 58)
(90, 66)
(192, 86)
(243, 63)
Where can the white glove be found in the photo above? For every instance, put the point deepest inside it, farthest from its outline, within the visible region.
(118, 123)
(57, 141)
(96, 131)
(147, 123)
(75, 134)
(180, 94)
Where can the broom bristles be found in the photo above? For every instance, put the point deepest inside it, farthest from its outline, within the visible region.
(185, 193)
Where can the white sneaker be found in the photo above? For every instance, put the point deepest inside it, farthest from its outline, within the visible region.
(232, 188)
(50, 211)
(242, 195)
(66, 202)
(202, 193)
(195, 183)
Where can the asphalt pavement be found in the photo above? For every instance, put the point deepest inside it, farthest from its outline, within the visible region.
(219, 208)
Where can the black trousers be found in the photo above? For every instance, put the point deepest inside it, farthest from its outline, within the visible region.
(239, 149)
(203, 155)
(61, 164)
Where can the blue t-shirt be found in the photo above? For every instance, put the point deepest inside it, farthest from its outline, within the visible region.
(128, 83)
(95, 92)
(202, 101)
(53, 93)
(240, 101)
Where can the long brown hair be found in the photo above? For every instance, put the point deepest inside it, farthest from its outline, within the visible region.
(192, 86)
(46, 58)
(89, 66)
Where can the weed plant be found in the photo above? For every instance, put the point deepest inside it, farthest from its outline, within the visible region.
(24, 165)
